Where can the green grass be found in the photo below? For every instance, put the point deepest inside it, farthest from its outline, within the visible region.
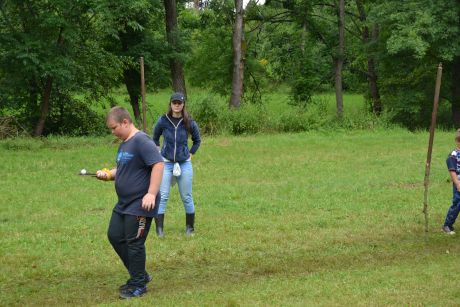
(323, 218)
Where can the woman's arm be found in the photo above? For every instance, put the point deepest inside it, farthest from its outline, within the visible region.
(196, 139)
(157, 131)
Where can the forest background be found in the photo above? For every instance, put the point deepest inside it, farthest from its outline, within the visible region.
(63, 63)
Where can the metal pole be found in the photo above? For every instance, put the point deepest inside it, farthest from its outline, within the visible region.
(144, 118)
(430, 144)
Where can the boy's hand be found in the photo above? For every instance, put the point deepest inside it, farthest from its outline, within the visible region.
(148, 201)
(104, 174)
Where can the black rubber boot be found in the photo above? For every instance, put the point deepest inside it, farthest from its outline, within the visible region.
(189, 224)
(159, 225)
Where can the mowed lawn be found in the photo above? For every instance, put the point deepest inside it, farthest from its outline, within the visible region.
(282, 220)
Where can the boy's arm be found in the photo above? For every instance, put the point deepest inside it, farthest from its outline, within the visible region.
(455, 180)
(148, 201)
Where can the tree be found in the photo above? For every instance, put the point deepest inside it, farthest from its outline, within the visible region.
(413, 39)
(49, 51)
(238, 56)
(455, 79)
(339, 58)
(134, 29)
(370, 36)
(172, 33)
(210, 64)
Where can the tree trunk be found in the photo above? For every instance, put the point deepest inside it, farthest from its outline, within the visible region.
(44, 109)
(238, 57)
(304, 37)
(455, 88)
(340, 58)
(373, 87)
(177, 73)
(132, 81)
(371, 73)
(45, 105)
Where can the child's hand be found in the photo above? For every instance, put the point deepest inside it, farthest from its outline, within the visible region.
(104, 174)
(148, 201)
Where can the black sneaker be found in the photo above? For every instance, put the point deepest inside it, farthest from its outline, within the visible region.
(148, 279)
(448, 229)
(131, 292)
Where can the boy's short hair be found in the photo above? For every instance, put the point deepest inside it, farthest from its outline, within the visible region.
(457, 135)
(119, 114)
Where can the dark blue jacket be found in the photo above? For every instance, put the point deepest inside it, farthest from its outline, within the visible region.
(175, 147)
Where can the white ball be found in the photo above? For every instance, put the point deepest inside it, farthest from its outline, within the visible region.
(83, 172)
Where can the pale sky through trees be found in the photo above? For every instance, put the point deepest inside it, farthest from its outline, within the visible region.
(259, 2)
(245, 2)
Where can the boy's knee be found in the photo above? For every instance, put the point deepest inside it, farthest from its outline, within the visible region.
(114, 238)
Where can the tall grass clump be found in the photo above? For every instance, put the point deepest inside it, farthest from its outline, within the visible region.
(214, 117)
(300, 118)
(22, 143)
(278, 115)
(274, 114)
(55, 142)
(363, 121)
(249, 119)
(209, 112)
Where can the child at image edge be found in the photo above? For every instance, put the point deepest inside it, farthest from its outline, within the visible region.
(453, 164)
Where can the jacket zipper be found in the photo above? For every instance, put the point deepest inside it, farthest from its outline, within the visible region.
(175, 134)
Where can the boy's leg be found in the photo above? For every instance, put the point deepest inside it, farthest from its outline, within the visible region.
(454, 210)
(116, 235)
(136, 229)
(165, 186)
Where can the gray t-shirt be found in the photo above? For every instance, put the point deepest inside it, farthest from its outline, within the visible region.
(135, 159)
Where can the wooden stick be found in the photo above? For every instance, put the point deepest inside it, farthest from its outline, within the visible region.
(430, 144)
(144, 119)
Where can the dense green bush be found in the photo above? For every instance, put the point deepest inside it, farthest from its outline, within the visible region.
(208, 112)
(214, 117)
(248, 119)
(75, 118)
(273, 115)
(298, 119)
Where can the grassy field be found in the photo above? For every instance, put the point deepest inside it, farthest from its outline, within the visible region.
(328, 219)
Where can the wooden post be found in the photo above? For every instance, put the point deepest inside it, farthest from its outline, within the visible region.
(430, 144)
(144, 118)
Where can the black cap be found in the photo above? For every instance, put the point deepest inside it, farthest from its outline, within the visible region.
(178, 96)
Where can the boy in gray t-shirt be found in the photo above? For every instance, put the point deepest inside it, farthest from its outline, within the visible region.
(137, 180)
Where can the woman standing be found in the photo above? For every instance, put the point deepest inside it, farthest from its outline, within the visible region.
(175, 127)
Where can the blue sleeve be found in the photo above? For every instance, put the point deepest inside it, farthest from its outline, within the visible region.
(195, 138)
(157, 131)
(149, 153)
(451, 163)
